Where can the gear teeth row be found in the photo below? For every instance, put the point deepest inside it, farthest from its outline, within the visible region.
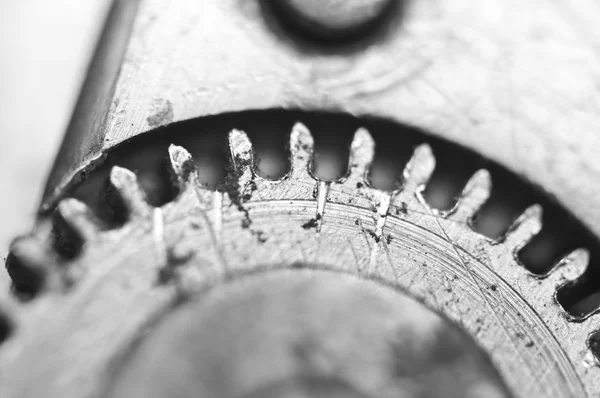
(416, 175)
(74, 223)
(32, 265)
(473, 197)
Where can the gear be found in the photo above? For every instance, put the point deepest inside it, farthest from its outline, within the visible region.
(120, 282)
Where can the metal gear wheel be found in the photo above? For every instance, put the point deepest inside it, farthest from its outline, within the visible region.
(302, 286)
(138, 286)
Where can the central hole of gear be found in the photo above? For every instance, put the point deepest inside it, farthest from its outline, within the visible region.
(205, 139)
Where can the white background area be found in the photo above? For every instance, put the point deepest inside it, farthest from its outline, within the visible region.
(45, 48)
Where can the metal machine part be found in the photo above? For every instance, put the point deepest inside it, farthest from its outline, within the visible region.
(308, 282)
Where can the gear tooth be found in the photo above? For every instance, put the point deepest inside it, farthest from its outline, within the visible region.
(301, 149)
(475, 193)
(79, 217)
(238, 185)
(570, 267)
(182, 165)
(419, 169)
(130, 192)
(241, 149)
(362, 151)
(524, 228)
(28, 264)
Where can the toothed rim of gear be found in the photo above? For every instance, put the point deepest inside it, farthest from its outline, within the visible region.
(126, 278)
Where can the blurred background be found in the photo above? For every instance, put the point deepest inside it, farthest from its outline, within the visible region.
(45, 48)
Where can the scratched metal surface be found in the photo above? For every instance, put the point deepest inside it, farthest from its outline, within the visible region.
(513, 80)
